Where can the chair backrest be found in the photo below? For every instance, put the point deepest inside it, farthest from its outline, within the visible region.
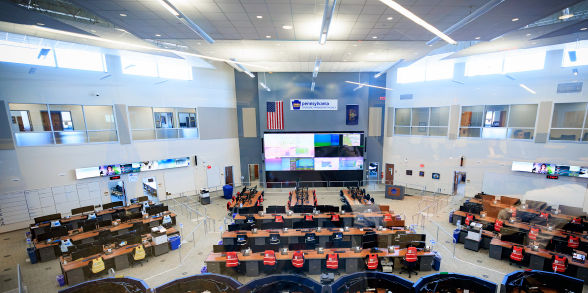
(387, 217)
(517, 253)
(498, 225)
(308, 218)
(372, 261)
(97, 265)
(298, 259)
(269, 258)
(332, 261)
(411, 254)
(469, 219)
(533, 233)
(310, 238)
(559, 264)
(139, 253)
(232, 259)
(335, 218)
(573, 241)
(279, 219)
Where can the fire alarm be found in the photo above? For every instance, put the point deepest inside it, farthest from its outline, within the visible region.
(208, 167)
(422, 165)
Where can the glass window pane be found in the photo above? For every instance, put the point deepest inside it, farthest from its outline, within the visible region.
(99, 117)
(143, 134)
(141, 117)
(495, 116)
(65, 117)
(585, 135)
(174, 68)
(34, 113)
(186, 120)
(80, 59)
(469, 132)
(437, 131)
(412, 73)
(33, 138)
(439, 116)
(70, 137)
(188, 133)
(494, 133)
(524, 60)
(102, 136)
(21, 121)
(166, 133)
(522, 116)
(401, 130)
(164, 119)
(472, 115)
(520, 133)
(402, 117)
(418, 130)
(565, 134)
(581, 55)
(26, 53)
(568, 115)
(438, 70)
(420, 117)
(138, 64)
(484, 64)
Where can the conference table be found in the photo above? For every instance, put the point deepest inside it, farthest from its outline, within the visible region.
(353, 201)
(386, 236)
(307, 201)
(46, 249)
(324, 219)
(539, 259)
(118, 258)
(246, 204)
(559, 216)
(349, 260)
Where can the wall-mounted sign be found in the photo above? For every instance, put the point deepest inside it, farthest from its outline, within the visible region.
(552, 176)
(436, 176)
(313, 104)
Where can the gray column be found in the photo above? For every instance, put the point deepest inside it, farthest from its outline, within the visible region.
(122, 123)
(390, 122)
(542, 126)
(454, 113)
(6, 141)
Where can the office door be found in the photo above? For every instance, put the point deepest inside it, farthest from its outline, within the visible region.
(389, 177)
(229, 175)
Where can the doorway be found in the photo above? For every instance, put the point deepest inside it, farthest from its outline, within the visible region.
(389, 177)
(117, 191)
(459, 182)
(150, 189)
(229, 175)
(253, 172)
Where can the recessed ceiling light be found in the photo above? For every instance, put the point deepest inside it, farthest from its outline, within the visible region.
(93, 31)
(528, 35)
(122, 14)
(584, 28)
(287, 27)
(374, 37)
(268, 36)
(259, 16)
(354, 45)
(120, 29)
(40, 23)
(390, 18)
(157, 35)
(515, 19)
(477, 38)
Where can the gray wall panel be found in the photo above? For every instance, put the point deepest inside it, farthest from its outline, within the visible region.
(122, 123)
(6, 141)
(217, 123)
(542, 128)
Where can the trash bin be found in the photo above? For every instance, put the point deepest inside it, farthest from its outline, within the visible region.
(228, 191)
(32, 254)
(456, 233)
(60, 280)
(451, 217)
(204, 197)
(437, 261)
(174, 242)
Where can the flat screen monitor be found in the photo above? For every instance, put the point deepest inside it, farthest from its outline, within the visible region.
(112, 205)
(249, 210)
(48, 218)
(272, 226)
(275, 210)
(142, 198)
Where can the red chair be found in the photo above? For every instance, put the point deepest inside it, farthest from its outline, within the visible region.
(544, 216)
(577, 221)
(513, 212)
(498, 225)
(335, 218)
(298, 259)
(333, 262)
(533, 233)
(372, 261)
(560, 264)
(269, 261)
(228, 205)
(279, 219)
(309, 218)
(232, 259)
(469, 219)
(573, 242)
(410, 261)
(516, 255)
(387, 217)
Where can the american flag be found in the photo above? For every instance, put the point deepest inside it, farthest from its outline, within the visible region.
(275, 115)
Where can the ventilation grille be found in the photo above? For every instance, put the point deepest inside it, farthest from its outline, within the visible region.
(570, 87)
(406, 97)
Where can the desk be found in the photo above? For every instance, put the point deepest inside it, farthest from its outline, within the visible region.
(307, 201)
(250, 203)
(352, 201)
(74, 219)
(506, 206)
(349, 260)
(49, 251)
(324, 219)
(73, 270)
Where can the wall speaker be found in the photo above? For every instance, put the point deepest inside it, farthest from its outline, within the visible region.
(195, 161)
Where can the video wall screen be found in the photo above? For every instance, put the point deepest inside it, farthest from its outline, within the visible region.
(550, 169)
(313, 151)
(119, 169)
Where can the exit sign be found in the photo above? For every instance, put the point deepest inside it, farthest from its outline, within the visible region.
(552, 176)
(382, 98)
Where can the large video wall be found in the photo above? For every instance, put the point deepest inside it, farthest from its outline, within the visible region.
(550, 169)
(119, 169)
(314, 156)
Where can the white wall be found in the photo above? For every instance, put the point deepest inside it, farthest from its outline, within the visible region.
(28, 168)
(488, 162)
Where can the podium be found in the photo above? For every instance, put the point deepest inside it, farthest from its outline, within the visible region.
(394, 192)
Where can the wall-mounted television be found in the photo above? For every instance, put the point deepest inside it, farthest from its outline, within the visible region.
(118, 169)
(550, 169)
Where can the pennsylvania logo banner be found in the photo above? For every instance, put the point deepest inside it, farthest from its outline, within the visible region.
(352, 113)
(313, 104)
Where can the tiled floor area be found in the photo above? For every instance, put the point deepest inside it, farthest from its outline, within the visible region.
(189, 259)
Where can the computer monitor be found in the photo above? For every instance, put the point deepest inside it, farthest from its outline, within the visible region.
(142, 198)
(89, 225)
(105, 223)
(272, 225)
(43, 236)
(82, 210)
(48, 218)
(275, 210)
(111, 205)
(57, 232)
(346, 208)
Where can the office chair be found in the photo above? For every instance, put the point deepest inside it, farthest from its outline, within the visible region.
(560, 264)
(310, 240)
(410, 261)
(269, 261)
(533, 233)
(138, 255)
(371, 262)
(573, 242)
(96, 267)
(498, 225)
(232, 261)
(298, 262)
(332, 263)
(517, 255)
(469, 218)
(274, 239)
